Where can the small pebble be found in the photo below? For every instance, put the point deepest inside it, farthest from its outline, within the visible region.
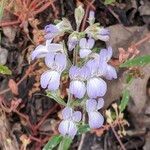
(3, 56)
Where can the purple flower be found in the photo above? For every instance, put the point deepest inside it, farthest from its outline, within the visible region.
(51, 31)
(86, 46)
(68, 125)
(105, 56)
(72, 42)
(42, 50)
(98, 32)
(78, 76)
(96, 87)
(96, 120)
(51, 78)
(103, 34)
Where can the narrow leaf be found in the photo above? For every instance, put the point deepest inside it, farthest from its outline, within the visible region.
(56, 97)
(124, 101)
(53, 142)
(65, 143)
(79, 14)
(138, 61)
(5, 70)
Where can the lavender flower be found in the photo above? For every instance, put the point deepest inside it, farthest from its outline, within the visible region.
(51, 31)
(54, 30)
(51, 78)
(103, 34)
(68, 125)
(78, 76)
(42, 50)
(105, 56)
(72, 42)
(96, 120)
(85, 47)
(96, 32)
(96, 87)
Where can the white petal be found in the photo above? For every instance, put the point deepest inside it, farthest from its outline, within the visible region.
(96, 120)
(110, 73)
(96, 87)
(49, 60)
(45, 78)
(91, 105)
(39, 52)
(67, 127)
(54, 81)
(67, 113)
(100, 103)
(77, 88)
(53, 47)
(77, 116)
(84, 52)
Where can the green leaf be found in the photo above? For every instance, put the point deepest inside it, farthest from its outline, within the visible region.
(129, 78)
(138, 61)
(53, 142)
(125, 100)
(56, 97)
(83, 128)
(108, 2)
(5, 70)
(65, 143)
(79, 14)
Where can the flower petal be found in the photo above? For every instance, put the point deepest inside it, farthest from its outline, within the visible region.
(49, 60)
(72, 130)
(84, 52)
(61, 61)
(45, 78)
(73, 72)
(90, 43)
(51, 28)
(96, 120)
(77, 116)
(72, 42)
(93, 66)
(91, 105)
(110, 73)
(67, 113)
(77, 88)
(53, 47)
(103, 55)
(63, 127)
(54, 81)
(96, 87)
(103, 34)
(100, 103)
(83, 43)
(40, 51)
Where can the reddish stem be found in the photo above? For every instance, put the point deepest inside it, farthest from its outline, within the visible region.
(42, 8)
(86, 14)
(44, 118)
(4, 24)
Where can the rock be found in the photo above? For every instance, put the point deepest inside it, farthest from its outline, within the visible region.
(3, 56)
(144, 10)
(10, 33)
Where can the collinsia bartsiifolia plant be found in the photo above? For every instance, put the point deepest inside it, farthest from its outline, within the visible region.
(87, 70)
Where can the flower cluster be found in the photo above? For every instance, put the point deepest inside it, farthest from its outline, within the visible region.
(86, 76)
